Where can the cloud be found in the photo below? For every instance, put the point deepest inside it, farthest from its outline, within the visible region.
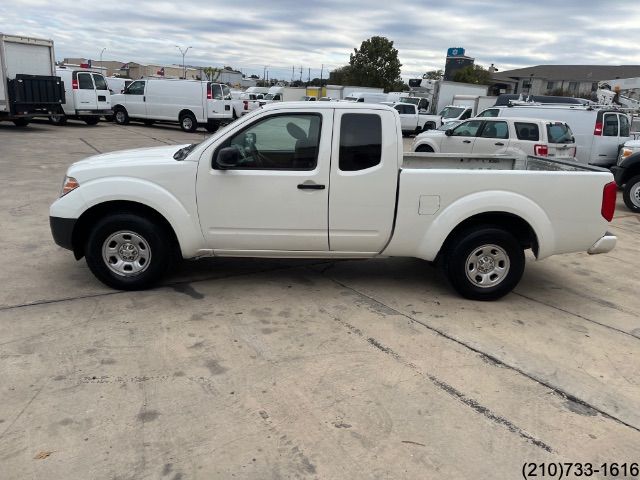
(281, 34)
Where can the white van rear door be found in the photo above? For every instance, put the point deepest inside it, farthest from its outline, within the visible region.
(86, 96)
(217, 106)
(607, 145)
(102, 91)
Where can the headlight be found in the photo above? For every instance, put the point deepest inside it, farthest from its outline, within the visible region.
(68, 185)
(626, 152)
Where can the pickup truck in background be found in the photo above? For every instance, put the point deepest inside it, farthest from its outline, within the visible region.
(414, 122)
(627, 174)
(327, 180)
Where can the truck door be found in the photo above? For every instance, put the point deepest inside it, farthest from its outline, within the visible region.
(102, 91)
(494, 137)
(86, 97)
(364, 173)
(462, 138)
(277, 195)
(136, 100)
(408, 117)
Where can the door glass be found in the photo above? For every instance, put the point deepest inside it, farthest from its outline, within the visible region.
(360, 141)
(466, 115)
(527, 131)
(216, 89)
(495, 130)
(624, 126)
(226, 92)
(610, 127)
(280, 142)
(100, 82)
(467, 129)
(492, 112)
(85, 82)
(559, 133)
(136, 88)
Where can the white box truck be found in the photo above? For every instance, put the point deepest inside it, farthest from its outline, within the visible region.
(446, 91)
(28, 82)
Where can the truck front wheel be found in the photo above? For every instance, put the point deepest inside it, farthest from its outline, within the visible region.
(126, 251)
(484, 263)
(121, 116)
(21, 122)
(631, 194)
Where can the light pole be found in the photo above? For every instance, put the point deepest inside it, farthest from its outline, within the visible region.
(183, 52)
(101, 59)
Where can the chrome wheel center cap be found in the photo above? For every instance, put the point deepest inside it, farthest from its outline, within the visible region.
(486, 264)
(128, 252)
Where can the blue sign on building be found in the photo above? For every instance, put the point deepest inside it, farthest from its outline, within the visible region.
(455, 52)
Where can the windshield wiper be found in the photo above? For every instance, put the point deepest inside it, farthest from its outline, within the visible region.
(184, 151)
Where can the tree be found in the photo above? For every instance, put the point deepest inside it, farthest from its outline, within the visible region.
(254, 76)
(340, 76)
(473, 74)
(212, 73)
(375, 64)
(433, 75)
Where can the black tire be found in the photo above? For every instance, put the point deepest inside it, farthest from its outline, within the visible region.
(21, 122)
(58, 120)
(631, 194)
(212, 126)
(148, 123)
(424, 148)
(499, 251)
(91, 120)
(109, 118)
(148, 239)
(120, 116)
(188, 122)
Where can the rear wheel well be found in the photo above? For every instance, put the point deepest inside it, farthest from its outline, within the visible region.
(515, 225)
(89, 218)
(184, 113)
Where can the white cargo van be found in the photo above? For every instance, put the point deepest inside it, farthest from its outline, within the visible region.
(599, 132)
(87, 96)
(367, 97)
(189, 102)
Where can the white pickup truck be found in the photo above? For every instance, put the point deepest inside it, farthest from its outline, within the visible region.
(327, 180)
(414, 122)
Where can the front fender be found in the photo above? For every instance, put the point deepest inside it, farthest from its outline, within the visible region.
(488, 202)
(182, 218)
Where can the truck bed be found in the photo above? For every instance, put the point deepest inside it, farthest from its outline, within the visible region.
(433, 161)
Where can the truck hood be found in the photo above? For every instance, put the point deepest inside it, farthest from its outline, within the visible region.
(633, 144)
(131, 157)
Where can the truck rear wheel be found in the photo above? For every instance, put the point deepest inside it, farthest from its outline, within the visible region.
(631, 194)
(212, 126)
(484, 263)
(188, 122)
(21, 122)
(128, 252)
(91, 120)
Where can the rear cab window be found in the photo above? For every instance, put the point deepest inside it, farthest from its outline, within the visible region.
(610, 125)
(559, 132)
(360, 141)
(625, 127)
(527, 131)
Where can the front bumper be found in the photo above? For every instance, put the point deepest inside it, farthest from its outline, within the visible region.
(62, 231)
(604, 245)
(618, 175)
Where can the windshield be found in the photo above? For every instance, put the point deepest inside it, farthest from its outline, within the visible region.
(451, 112)
(351, 99)
(413, 100)
(184, 151)
(559, 133)
(448, 125)
(269, 96)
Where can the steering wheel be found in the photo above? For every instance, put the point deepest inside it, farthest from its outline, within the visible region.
(260, 161)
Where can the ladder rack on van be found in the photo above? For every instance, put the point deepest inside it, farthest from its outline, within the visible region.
(522, 103)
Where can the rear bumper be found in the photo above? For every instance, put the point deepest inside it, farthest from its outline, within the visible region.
(604, 245)
(62, 231)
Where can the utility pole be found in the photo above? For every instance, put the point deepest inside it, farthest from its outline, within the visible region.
(183, 52)
(309, 77)
(101, 60)
(293, 73)
(300, 74)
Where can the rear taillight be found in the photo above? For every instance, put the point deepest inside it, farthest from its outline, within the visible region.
(209, 93)
(598, 130)
(541, 150)
(609, 194)
(246, 104)
(74, 84)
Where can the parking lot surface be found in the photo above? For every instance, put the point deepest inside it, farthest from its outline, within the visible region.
(274, 369)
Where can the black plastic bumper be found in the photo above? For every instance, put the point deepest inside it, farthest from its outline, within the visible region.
(618, 175)
(62, 231)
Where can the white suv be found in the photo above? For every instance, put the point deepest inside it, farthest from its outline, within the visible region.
(542, 138)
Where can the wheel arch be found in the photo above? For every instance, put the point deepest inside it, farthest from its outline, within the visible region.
(184, 112)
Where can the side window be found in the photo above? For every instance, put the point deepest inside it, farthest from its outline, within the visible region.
(527, 131)
(216, 90)
(467, 129)
(625, 128)
(610, 125)
(279, 142)
(491, 112)
(360, 141)
(101, 83)
(84, 81)
(226, 92)
(466, 114)
(135, 88)
(495, 130)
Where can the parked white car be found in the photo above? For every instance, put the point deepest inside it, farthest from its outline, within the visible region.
(327, 180)
(87, 96)
(189, 102)
(524, 136)
(366, 97)
(599, 132)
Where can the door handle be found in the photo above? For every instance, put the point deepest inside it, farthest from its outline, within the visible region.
(500, 144)
(466, 141)
(310, 186)
(144, 99)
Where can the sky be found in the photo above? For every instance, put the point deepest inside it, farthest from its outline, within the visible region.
(280, 34)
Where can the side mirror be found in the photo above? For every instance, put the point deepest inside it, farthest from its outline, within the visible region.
(228, 157)
(448, 132)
